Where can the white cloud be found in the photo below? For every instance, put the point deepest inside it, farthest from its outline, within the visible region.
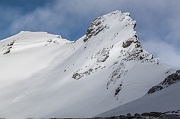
(174, 30)
(168, 53)
(63, 16)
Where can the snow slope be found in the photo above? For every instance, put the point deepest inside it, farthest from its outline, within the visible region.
(166, 100)
(44, 75)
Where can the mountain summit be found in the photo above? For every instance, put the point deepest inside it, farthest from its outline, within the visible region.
(43, 75)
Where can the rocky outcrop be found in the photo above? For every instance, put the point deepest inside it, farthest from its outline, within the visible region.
(146, 115)
(169, 80)
(154, 89)
(7, 48)
(78, 75)
(130, 41)
(95, 27)
(173, 78)
(100, 57)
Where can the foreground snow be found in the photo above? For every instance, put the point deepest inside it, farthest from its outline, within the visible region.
(166, 100)
(43, 75)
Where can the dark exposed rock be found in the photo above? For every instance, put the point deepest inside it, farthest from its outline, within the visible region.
(137, 52)
(134, 26)
(137, 45)
(137, 115)
(85, 39)
(127, 44)
(154, 89)
(169, 80)
(76, 76)
(178, 72)
(95, 27)
(130, 41)
(8, 51)
(102, 55)
(135, 36)
(145, 115)
(118, 89)
(10, 44)
(152, 114)
(80, 75)
(173, 78)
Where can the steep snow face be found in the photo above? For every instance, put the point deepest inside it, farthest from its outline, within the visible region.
(43, 75)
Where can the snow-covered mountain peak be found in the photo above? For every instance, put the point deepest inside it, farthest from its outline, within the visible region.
(105, 68)
(114, 32)
(29, 34)
(114, 22)
(26, 39)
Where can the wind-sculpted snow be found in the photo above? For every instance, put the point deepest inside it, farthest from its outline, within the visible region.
(43, 75)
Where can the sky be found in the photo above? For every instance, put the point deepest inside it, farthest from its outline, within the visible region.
(158, 21)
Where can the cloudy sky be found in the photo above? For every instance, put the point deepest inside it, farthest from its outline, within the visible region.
(158, 21)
